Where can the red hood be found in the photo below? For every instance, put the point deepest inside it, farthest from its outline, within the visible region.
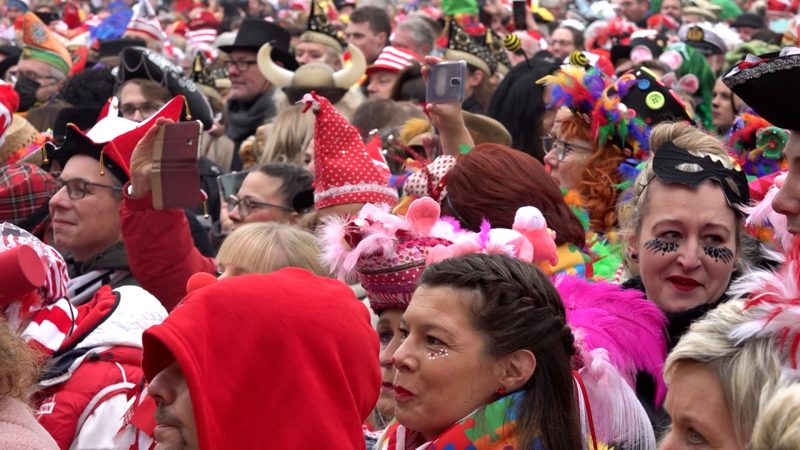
(282, 360)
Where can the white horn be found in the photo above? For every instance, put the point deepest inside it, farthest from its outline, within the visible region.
(350, 73)
(276, 74)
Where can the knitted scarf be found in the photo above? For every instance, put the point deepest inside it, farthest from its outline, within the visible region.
(487, 428)
(243, 118)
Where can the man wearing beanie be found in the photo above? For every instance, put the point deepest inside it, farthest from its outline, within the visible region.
(293, 345)
(43, 67)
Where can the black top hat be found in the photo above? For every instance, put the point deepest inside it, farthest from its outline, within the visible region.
(767, 84)
(255, 32)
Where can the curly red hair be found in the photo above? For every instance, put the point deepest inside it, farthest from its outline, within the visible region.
(599, 179)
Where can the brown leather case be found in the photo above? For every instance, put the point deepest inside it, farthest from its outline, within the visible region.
(175, 177)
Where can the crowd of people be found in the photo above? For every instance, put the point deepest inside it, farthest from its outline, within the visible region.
(236, 225)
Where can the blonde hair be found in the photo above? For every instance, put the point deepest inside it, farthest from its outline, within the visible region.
(635, 205)
(18, 364)
(778, 424)
(742, 368)
(267, 247)
(288, 136)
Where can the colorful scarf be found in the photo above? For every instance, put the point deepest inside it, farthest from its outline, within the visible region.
(487, 428)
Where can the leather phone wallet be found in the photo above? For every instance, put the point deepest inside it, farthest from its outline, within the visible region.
(175, 177)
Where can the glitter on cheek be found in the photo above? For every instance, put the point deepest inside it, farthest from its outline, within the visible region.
(441, 353)
(723, 253)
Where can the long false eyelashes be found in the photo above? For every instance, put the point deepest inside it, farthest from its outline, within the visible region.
(723, 253)
(658, 246)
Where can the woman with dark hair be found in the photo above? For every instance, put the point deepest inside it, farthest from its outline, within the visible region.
(493, 181)
(520, 105)
(500, 324)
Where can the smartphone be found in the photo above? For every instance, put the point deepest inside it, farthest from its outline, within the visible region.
(229, 183)
(446, 82)
(520, 21)
(175, 178)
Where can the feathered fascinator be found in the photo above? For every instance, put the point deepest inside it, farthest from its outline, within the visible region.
(757, 145)
(388, 253)
(577, 88)
(618, 334)
(773, 306)
(614, 122)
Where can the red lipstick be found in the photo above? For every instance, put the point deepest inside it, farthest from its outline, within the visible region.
(683, 284)
(401, 393)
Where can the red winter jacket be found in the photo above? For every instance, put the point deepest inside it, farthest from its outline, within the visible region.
(62, 409)
(161, 253)
(91, 376)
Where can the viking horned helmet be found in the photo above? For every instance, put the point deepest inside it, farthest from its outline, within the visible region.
(312, 75)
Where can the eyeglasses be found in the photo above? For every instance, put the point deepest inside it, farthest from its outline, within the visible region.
(77, 188)
(246, 205)
(147, 109)
(563, 149)
(240, 65)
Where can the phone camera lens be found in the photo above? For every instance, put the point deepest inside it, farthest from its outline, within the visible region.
(455, 82)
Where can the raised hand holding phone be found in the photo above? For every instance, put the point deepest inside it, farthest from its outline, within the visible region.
(175, 177)
(446, 117)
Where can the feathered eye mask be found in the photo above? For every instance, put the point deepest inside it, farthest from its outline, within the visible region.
(673, 164)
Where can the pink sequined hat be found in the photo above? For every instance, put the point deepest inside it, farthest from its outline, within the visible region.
(387, 253)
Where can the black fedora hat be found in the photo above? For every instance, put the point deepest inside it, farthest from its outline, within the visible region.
(255, 32)
(767, 84)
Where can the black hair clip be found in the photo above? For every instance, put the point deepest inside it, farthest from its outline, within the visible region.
(671, 165)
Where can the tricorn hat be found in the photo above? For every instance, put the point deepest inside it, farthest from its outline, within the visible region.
(143, 63)
(112, 140)
(767, 83)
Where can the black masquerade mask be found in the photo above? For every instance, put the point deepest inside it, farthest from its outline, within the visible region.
(673, 164)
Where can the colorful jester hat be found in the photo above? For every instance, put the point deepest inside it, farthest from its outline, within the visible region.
(757, 145)
(576, 87)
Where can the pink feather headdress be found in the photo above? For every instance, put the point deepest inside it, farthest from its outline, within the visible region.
(618, 334)
(387, 253)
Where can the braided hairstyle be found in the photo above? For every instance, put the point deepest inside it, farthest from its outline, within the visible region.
(521, 310)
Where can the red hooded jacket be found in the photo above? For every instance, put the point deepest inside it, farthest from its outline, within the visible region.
(280, 360)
